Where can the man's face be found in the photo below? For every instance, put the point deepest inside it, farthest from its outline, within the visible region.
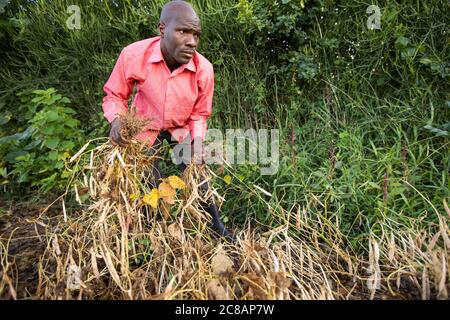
(179, 38)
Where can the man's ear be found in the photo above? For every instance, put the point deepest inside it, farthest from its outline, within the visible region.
(161, 29)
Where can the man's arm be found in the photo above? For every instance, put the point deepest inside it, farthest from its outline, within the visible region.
(201, 112)
(118, 89)
(203, 106)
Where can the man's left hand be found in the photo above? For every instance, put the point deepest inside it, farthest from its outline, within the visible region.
(198, 154)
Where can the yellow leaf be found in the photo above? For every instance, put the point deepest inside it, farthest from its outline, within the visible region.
(227, 179)
(133, 196)
(152, 198)
(176, 183)
(169, 200)
(166, 190)
(64, 156)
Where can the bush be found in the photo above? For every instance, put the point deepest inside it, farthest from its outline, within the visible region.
(34, 158)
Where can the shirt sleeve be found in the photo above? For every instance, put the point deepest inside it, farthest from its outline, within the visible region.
(203, 105)
(117, 89)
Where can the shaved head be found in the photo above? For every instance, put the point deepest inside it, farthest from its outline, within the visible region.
(175, 9)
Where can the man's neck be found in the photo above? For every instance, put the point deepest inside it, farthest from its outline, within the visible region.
(171, 67)
(170, 63)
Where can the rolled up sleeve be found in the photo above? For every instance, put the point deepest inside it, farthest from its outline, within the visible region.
(118, 89)
(203, 105)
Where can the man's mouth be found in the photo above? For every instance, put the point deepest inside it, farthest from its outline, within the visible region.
(188, 53)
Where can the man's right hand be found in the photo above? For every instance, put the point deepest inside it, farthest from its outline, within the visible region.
(114, 134)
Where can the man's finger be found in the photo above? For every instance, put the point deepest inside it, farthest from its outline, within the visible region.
(112, 141)
(117, 139)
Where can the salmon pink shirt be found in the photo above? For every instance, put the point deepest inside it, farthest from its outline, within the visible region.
(181, 99)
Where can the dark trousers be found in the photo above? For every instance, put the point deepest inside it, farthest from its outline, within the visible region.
(156, 174)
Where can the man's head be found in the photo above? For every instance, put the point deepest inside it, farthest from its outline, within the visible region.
(179, 27)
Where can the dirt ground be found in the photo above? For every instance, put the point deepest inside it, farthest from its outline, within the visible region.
(22, 231)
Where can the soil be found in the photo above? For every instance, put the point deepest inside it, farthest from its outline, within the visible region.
(22, 231)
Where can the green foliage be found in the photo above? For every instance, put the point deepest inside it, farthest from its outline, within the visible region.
(307, 41)
(34, 158)
(277, 28)
(442, 130)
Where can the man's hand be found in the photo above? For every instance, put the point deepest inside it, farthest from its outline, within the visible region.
(197, 151)
(114, 134)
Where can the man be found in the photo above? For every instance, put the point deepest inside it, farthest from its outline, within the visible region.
(175, 86)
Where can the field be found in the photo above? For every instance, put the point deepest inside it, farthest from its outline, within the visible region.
(358, 208)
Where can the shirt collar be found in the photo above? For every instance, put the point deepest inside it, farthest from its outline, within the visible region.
(157, 56)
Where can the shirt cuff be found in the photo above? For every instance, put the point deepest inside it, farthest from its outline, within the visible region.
(112, 111)
(198, 128)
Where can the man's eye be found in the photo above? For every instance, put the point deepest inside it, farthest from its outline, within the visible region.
(181, 31)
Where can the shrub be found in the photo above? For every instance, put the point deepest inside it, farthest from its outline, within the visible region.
(34, 158)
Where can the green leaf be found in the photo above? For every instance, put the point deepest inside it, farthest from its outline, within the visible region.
(23, 177)
(39, 92)
(52, 142)
(32, 145)
(48, 130)
(3, 172)
(65, 100)
(53, 155)
(37, 99)
(50, 91)
(72, 123)
(425, 61)
(59, 165)
(49, 181)
(373, 185)
(52, 115)
(396, 190)
(18, 136)
(68, 145)
(5, 117)
(66, 174)
(84, 197)
(402, 42)
(145, 242)
(69, 110)
(318, 174)
(438, 132)
(11, 156)
(408, 52)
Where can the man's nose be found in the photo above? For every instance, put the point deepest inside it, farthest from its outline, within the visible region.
(191, 41)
